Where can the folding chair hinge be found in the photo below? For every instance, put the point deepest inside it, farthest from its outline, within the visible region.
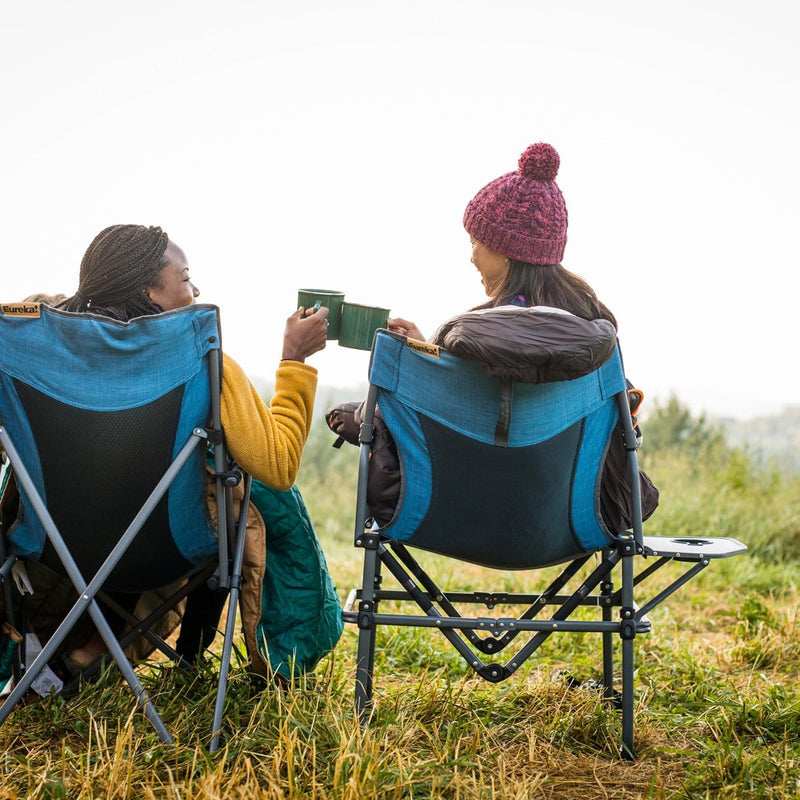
(627, 627)
(366, 615)
(365, 433)
(214, 436)
(628, 547)
(494, 672)
(230, 478)
(630, 441)
(491, 599)
(369, 541)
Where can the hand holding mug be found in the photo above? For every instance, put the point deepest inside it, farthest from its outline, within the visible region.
(306, 333)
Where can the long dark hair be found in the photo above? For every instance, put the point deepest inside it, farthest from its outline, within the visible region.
(119, 265)
(549, 285)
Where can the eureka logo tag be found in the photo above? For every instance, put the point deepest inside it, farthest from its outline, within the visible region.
(425, 348)
(27, 310)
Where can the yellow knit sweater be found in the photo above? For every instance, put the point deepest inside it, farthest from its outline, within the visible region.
(268, 441)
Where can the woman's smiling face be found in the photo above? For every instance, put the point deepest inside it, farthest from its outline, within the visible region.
(173, 288)
(492, 266)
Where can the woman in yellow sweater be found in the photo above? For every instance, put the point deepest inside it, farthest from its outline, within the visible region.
(132, 270)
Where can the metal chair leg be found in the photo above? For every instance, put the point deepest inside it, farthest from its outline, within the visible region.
(606, 593)
(230, 625)
(366, 636)
(628, 633)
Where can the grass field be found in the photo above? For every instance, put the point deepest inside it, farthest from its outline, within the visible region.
(718, 704)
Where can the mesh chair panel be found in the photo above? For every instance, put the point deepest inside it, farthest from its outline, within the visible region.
(97, 450)
(482, 508)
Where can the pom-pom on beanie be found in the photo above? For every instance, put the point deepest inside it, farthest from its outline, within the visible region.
(522, 214)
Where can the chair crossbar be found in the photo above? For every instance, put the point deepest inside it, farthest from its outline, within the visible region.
(501, 630)
(142, 627)
(499, 624)
(672, 588)
(446, 599)
(537, 601)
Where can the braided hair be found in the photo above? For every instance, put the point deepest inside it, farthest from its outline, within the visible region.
(119, 265)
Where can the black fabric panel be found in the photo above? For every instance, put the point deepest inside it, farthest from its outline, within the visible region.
(99, 468)
(511, 512)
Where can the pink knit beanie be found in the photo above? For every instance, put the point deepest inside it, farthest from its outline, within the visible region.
(522, 214)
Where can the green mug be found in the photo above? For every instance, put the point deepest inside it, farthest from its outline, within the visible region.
(332, 300)
(359, 323)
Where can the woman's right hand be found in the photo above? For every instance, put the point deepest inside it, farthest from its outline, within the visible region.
(406, 328)
(306, 333)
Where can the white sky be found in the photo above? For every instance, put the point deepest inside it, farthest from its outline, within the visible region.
(336, 144)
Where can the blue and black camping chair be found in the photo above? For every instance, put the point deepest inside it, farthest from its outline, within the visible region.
(506, 475)
(107, 427)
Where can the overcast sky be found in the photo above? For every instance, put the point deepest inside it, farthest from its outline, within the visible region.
(336, 144)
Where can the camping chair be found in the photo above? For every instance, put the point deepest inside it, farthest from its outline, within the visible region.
(506, 475)
(108, 427)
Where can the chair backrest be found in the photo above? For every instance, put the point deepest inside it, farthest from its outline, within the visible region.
(502, 474)
(98, 409)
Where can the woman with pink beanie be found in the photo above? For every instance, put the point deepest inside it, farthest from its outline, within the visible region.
(541, 323)
(518, 230)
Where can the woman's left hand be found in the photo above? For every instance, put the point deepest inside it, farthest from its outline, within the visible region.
(406, 328)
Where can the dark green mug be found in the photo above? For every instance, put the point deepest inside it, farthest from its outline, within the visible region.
(332, 300)
(359, 323)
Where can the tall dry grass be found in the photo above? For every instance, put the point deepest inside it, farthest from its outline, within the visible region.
(717, 715)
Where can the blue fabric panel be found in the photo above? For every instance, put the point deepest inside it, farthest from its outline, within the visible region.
(100, 364)
(421, 382)
(415, 461)
(59, 353)
(586, 518)
(542, 410)
(187, 496)
(28, 538)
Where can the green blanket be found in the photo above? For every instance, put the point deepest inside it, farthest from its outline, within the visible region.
(301, 618)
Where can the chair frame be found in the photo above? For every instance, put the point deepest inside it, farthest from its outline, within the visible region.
(224, 568)
(474, 636)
